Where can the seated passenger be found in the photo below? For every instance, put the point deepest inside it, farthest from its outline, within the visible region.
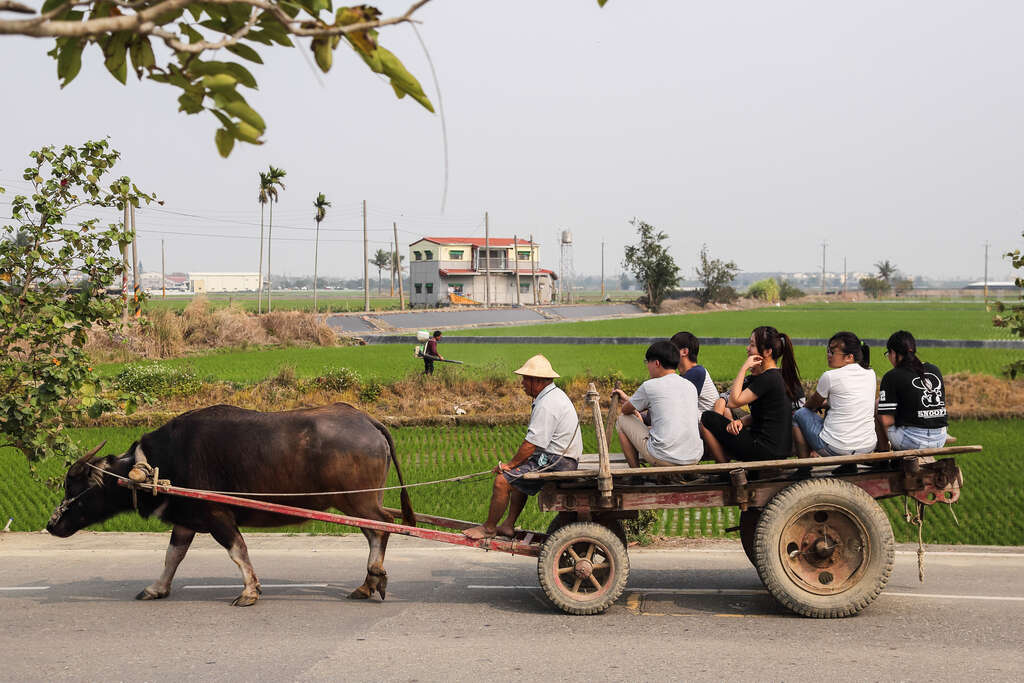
(912, 401)
(671, 402)
(848, 388)
(767, 433)
(689, 346)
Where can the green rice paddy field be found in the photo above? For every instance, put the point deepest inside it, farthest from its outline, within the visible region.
(871, 320)
(989, 510)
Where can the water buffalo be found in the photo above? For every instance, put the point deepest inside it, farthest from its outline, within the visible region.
(223, 448)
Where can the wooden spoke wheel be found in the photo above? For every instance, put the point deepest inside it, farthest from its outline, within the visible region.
(583, 568)
(824, 548)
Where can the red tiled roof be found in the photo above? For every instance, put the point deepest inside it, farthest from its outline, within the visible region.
(475, 241)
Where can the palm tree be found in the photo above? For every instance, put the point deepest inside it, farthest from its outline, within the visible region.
(274, 176)
(264, 197)
(886, 270)
(320, 204)
(381, 260)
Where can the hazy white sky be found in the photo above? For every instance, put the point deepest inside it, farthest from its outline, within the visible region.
(889, 129)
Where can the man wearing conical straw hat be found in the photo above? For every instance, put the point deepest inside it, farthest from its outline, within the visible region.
(553, 443)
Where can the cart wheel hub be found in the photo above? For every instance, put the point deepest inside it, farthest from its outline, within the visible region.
(824, 549)
(583, 569)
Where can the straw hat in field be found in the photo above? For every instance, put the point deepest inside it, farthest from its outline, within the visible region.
(538, 366)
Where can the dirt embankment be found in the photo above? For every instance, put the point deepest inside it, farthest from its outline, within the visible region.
(449, 401)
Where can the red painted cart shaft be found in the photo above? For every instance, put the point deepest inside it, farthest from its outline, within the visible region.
(527, 546)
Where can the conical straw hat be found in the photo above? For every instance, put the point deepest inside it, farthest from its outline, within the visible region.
(538, 366)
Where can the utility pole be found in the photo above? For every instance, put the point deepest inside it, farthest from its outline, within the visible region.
(986, 272)
(366, 265)
(163, 270)
(533, 273)
(398, 260)
(487, 263)
(515, 253)
(392, 294)
(602, 270)
(823, 247)
(135, 267)
(844, 277)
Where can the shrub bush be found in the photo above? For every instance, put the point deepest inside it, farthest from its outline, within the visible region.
(787, 290)
(157, 379)
(371, 391)
(641, 529)
(336, 379)
(764, 290)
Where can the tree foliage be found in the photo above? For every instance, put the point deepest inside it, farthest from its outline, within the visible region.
(716, 275)
(1011, 316)
(125, 32)
(875, 287)
(53, 281)
(787, 290)
(381, 260)
(650, 263)
(886, 271)
(765, 290)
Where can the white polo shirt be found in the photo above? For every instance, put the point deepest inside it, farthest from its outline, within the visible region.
(554, 424)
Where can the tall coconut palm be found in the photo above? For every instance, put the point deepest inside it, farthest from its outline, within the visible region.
(274, 176)
(381, 260)
(320, 204)
(264, 197)
(886, 270)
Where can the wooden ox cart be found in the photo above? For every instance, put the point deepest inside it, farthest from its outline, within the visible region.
(821, 544)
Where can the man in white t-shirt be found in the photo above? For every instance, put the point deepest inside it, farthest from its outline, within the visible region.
(553, 443)
(671, 401)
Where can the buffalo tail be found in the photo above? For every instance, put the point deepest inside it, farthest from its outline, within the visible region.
(408, 516)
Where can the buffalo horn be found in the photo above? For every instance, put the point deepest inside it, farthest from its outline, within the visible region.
(85, 458)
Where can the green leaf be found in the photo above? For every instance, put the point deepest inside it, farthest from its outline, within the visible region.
(237, 71)
(189, 104)
(243, 131)
(69, 61)
(246, 113)
(225, 141)
(219, 82)
(245, 52)
(142, 56)
(323, 54)
(114, 51)
(194, 36)
(401, 79)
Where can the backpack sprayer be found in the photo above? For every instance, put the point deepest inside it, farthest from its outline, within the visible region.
(420, 350)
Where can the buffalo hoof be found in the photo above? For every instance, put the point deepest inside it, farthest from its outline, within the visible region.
(359, 594)
(148, 594)
(244, 600)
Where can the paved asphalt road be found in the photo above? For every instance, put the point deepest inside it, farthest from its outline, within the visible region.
(66, 612)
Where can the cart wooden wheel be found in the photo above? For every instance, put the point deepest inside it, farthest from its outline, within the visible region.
(748, 529)
(583, 568)
(824, 548)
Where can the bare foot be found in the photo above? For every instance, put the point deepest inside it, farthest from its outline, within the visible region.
(813, 454)
(506, 531)
(479, 533)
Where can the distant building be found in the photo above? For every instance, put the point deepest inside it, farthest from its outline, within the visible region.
(1000, 287)
(445, 270)
(200, 283)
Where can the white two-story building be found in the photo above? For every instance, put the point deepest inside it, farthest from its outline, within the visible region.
(445, 270)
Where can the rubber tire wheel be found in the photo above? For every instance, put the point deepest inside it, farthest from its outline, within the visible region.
(748, 530)
(880, 547)
(616, 525)
(554, 553)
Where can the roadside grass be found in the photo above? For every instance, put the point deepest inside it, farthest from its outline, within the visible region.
(812, 320)
(327, 301)
(391, 362)
(988, 511)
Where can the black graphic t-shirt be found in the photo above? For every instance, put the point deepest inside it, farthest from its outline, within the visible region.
(914, 401)
(771, 415)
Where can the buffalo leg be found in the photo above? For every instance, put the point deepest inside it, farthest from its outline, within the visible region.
(376, 577)
(225, 531)
(181, 539)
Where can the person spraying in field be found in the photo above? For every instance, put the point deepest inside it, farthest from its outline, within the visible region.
(430, 353)
(553, 443)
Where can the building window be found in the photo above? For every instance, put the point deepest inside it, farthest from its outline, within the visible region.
(524, 287)
(455, 254)
(524, 256)
(456, 287)
(417, 255)
(430, 288)
(430, 255)
(419, 288)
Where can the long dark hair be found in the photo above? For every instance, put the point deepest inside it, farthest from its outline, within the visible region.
(903, 344)
(768, 338)
(848, 342)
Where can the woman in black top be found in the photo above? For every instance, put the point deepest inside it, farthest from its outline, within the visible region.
(765, 434)
(912, 398)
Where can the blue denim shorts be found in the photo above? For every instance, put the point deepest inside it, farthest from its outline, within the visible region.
(909, 437)
(811, 424)
(540, 460)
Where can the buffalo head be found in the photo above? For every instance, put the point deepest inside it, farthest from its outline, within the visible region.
(89, 495)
